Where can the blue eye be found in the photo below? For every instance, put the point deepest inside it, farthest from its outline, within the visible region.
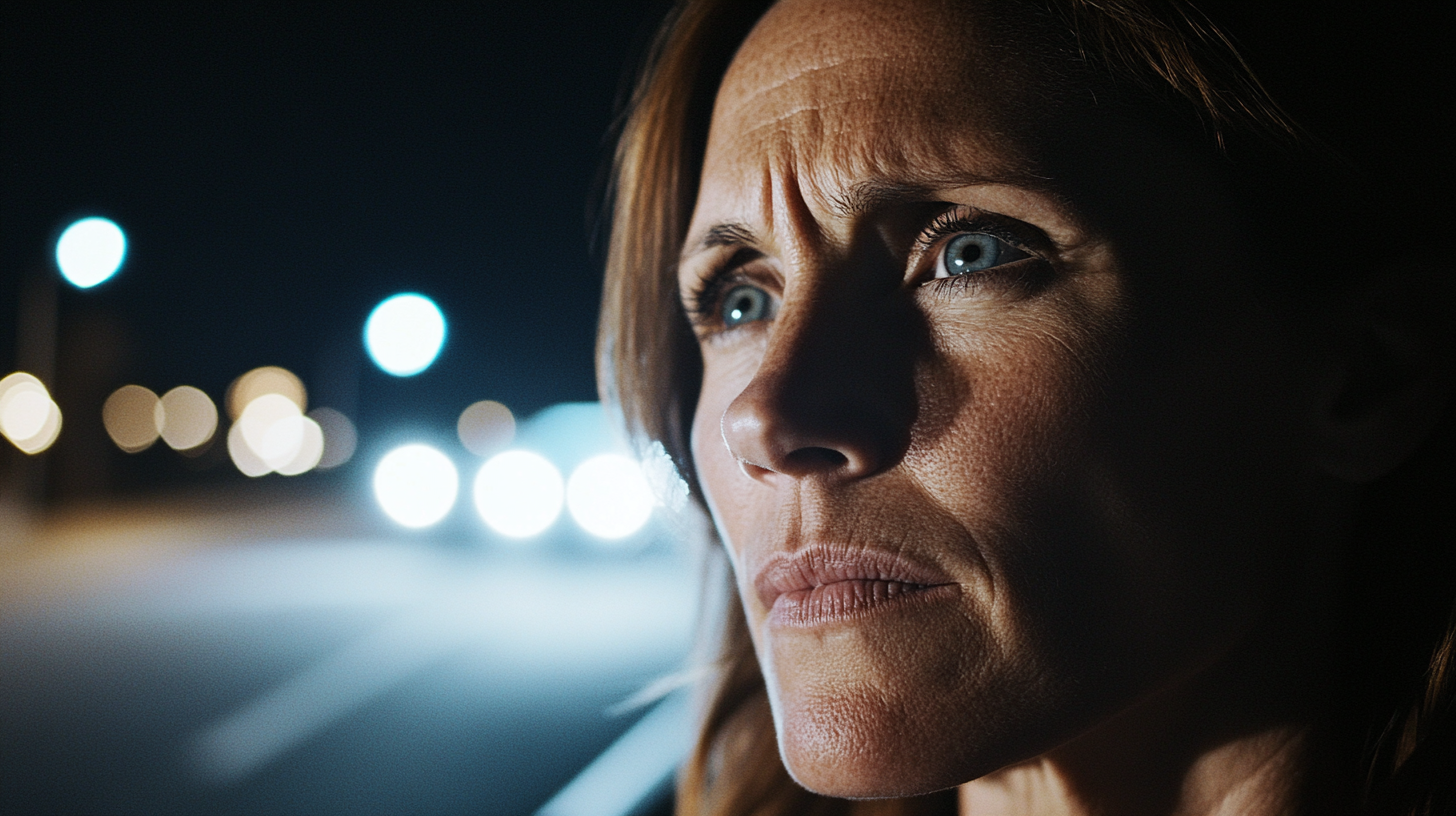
(745, 304)
(974, 252)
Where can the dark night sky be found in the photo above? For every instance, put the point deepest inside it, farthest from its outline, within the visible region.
(280, 169)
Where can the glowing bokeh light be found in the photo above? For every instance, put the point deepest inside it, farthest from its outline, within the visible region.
(186, 418)
(50, 431)
(416, 485)
(244, 459)
(90, 251)
(518, 493)
(281, 441)
(20, 379)
(339, 437)
(404, 334)
(262, 381)
(29, 418)
(485, 427)
(130, 417)
(272, 435)
(309, 450)
(24, 414)
(608, 496)
(22, 405)
(272, 428)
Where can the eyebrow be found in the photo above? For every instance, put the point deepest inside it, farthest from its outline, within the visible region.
(724, 235)
(867, 197)
(864, 198)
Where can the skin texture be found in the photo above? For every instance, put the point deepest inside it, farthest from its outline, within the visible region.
(1102, 451)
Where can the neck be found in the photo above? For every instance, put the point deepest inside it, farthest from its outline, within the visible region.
(1258, 774)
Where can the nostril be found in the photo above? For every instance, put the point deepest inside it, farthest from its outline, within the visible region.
(810, 460)
(794, 420)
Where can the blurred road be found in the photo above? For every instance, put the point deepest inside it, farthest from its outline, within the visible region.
(201, 656)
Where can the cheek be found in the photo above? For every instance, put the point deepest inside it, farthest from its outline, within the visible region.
(1003, 441)
(728, 491)
(1122, 480)
(1009, 450)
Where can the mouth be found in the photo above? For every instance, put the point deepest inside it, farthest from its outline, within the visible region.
(822, 585)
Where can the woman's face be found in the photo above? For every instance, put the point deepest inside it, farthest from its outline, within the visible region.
(997, 433)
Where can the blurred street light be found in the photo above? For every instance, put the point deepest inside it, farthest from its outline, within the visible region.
(130, 417)
(608, 496)
(485, 427)
(90, 251)
(404, 334)
(29, 418)
(518, 493)
(416, 485)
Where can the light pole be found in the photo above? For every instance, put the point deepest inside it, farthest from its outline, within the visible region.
(88, 252)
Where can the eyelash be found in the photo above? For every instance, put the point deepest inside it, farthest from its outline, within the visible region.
(956, 222)
(705, 299)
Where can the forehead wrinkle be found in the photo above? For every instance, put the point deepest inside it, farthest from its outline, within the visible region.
(796, 230)
(789, 43)
(839, 148)
(797, 179)
(807, 74)
(782, 208)
(816, 108)
(766, 200)
(830, 115)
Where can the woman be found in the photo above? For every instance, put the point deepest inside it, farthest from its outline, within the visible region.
(1066, 455)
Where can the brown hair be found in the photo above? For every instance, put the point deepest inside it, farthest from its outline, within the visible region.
(1176, 65)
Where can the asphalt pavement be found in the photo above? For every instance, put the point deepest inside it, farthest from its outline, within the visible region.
(205, 655)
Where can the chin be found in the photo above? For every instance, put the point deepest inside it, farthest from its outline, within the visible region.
(906, 701)
(865, 746)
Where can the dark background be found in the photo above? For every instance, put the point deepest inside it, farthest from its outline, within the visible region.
(280, 169)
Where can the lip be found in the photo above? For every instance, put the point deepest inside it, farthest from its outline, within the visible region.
(825, 584)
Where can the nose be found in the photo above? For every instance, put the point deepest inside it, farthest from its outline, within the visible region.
(833, 396)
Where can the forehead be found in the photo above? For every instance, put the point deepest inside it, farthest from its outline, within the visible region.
(854, 88)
